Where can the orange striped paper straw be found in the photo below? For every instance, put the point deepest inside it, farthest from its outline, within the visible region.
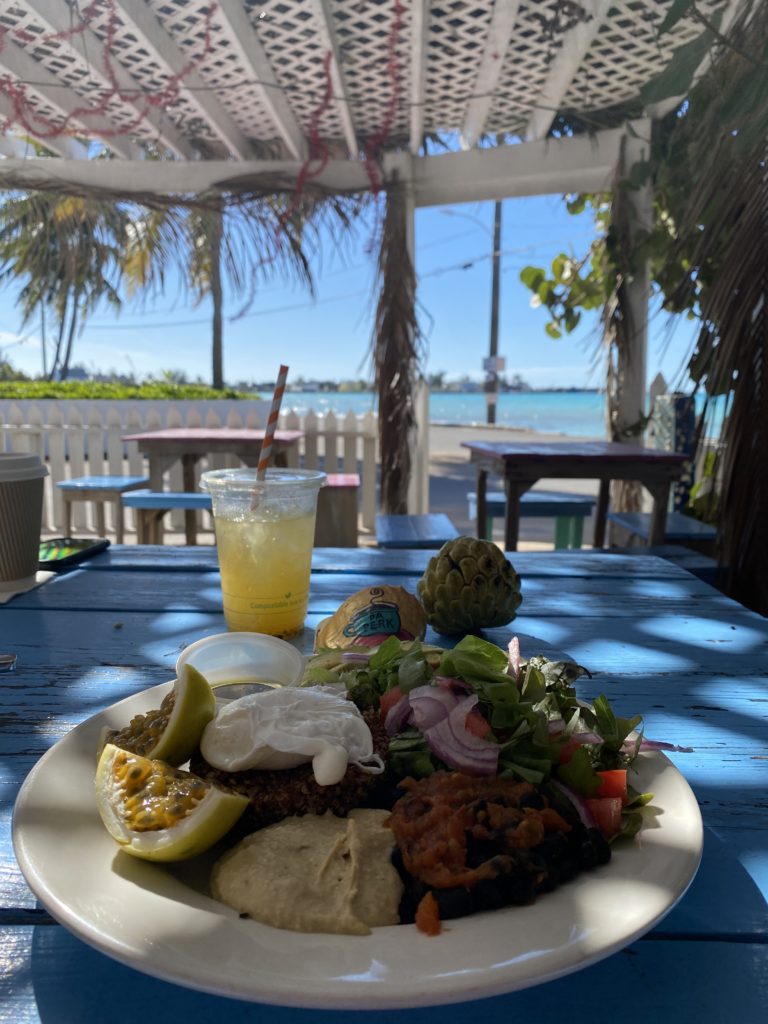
(269, 433)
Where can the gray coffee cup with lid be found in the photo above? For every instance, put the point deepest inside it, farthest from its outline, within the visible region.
(22, 478)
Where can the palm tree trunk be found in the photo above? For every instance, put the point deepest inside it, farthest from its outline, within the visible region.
(396, 355)
(70, 338)
(217, 351)
(59, 339)
(42, 340)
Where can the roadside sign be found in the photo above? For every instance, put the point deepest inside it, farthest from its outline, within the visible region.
(494, 364)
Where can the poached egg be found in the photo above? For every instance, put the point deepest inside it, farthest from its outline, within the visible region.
(289, 726)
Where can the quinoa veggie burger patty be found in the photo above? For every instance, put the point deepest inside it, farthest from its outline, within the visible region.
(275, 795)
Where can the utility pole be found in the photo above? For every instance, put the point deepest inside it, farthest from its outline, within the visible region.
(492, 377)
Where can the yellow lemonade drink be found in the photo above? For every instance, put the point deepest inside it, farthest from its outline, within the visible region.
(265, 569)
(265, 531)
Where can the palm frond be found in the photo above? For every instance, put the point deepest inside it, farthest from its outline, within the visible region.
(715, 181)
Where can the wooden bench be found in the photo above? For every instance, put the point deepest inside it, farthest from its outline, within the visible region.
(336, 525)
(680, 529)
(151, 506)
(431, 530)
(568, 510)
(98, 489)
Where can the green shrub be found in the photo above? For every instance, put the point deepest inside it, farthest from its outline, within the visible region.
(77, 389)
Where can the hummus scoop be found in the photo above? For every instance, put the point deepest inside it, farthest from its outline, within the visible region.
(286, 727)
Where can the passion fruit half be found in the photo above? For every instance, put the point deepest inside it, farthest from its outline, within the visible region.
(158, 812)
(171, 732)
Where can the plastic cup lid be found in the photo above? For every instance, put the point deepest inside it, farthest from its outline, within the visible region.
(17, 466)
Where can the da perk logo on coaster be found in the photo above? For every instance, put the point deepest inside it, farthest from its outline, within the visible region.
(370, 616)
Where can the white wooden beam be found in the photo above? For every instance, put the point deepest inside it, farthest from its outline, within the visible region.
(631, 365)
(324, 20)
(494, 51)
(419, 37)
(564, 68)
(580, 164)
(242, 37)
(89, 49)
(144, 24)
(172, 177)
(546, 166)
(17, 63)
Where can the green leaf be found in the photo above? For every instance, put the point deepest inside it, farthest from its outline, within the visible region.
(578, 773)
(413, 671)
(571, 317)
(387, 653)
(553, 331)
(676, 78)
(532, 277)
(577, 204)
(492, 655)
(639, 174)
(676, 12)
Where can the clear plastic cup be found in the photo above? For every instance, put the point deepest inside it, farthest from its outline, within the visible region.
(21, 510)
(265, 530)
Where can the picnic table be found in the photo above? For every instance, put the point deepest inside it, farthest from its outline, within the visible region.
(190, 444)
(521, 463)
(657, 641)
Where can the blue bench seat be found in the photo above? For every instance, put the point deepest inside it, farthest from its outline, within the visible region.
(568, 510)
(680, 528)
(98, 489)
(430, 530)
(151, 506)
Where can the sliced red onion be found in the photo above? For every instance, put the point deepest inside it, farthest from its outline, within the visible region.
(355, 656)
(515, 658)
(555, 726)
(431, 704)
(398, 716)
(583, 738)
(578, 802)
(631, 745)
(451, 741)
(453, 684)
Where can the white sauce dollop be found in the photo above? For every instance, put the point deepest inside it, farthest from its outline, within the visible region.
(290, 726)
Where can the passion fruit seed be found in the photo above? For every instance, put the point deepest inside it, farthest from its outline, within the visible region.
(143, 731)
(152, 796)
(159, 812)
(171, 732)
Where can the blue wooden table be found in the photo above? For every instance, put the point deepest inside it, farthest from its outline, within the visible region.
(658, 641)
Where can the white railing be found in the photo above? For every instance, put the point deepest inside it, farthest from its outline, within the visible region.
(85, 438)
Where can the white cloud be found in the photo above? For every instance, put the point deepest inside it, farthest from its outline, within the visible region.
(11, 339)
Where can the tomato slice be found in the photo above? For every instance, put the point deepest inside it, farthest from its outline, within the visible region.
(614, 783)
(476, 723)
(567, 750)
(606, 812)
(389, 699)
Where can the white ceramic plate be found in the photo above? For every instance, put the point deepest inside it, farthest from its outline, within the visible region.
(150, 918)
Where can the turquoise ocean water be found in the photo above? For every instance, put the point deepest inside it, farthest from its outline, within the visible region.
(573, 413)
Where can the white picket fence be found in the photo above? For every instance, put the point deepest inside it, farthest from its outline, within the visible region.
(85, 438)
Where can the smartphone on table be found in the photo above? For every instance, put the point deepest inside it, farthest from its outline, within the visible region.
(62, 552)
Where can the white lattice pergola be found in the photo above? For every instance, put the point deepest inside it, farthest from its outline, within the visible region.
(458, 97)
(183, 94)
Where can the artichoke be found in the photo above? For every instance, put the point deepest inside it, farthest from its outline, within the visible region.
(469, 585)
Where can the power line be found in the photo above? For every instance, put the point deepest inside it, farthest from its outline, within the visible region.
(435, 272)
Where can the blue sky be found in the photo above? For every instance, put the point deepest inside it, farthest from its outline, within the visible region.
(329, 338)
